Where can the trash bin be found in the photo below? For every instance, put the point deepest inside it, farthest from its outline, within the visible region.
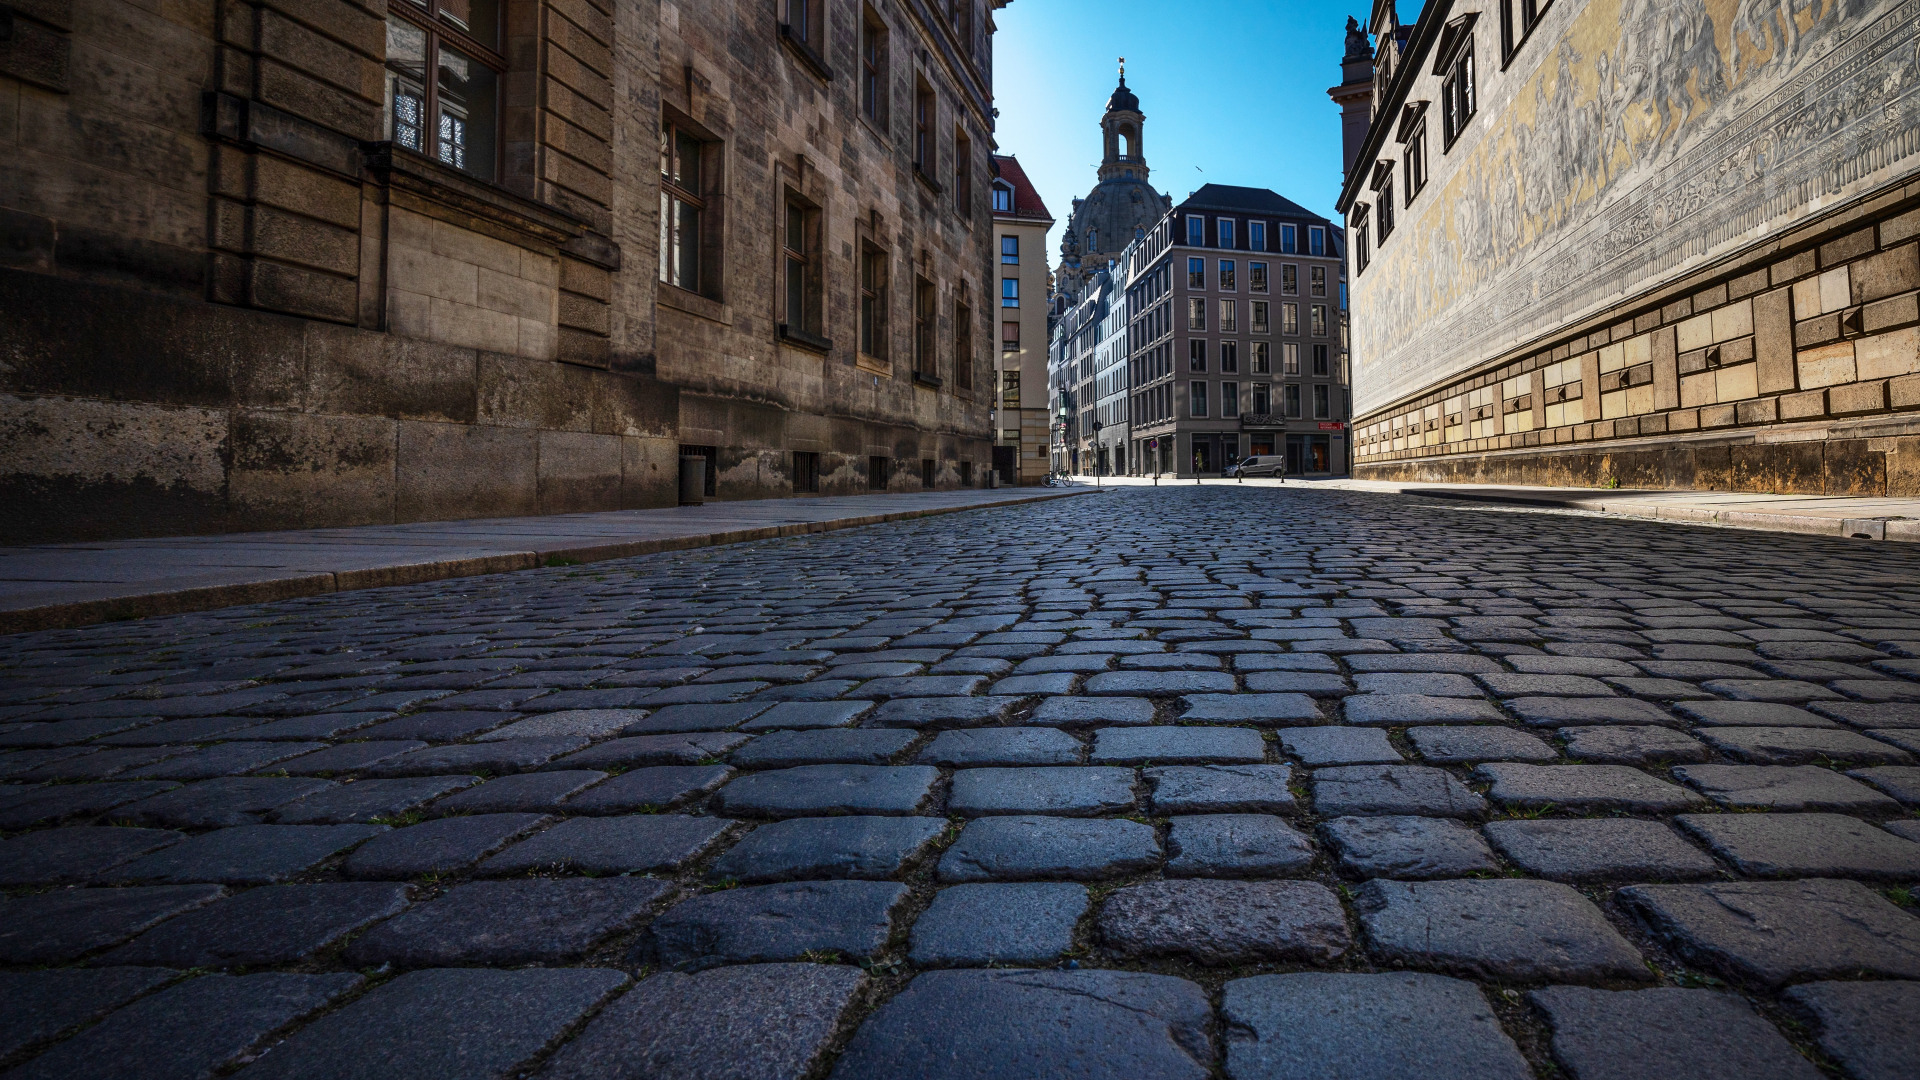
(693, 480)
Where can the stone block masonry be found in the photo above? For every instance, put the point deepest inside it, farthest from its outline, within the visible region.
(1727, 299)
(260, 274)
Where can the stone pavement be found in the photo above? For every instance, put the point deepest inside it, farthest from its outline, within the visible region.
(54, 585)
(1853, 517)
(1175, 783)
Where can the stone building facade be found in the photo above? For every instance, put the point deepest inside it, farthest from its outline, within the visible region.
(278, 263)
(1660, 243)
(1020, 226)
(1237, 337)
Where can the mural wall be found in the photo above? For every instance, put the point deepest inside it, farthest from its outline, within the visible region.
(1646, 138)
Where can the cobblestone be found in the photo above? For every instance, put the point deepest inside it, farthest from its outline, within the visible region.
(1115, 697)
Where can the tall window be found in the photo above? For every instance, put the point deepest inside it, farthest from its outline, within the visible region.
(1262, 361)
(1010, 250)
(1009, 292)
(1262, 404)
(1009, 337)
(1002, 199)
(804, 20)
(1259, 317)
(1416, 161)
(1290, 359)
(1316, 240)
(1317, 280)
(962, 172)
(1289, 279)
(1290, 318)
(1321, 361)
(1322, 408)
(1196, 231)
(873, 69)
(1225, 227)
(1196, 313)
(1514, 31)
(1196, 355)
(1291, 396)
(1196, 273)
(1229, 357)
(682, 208)
(1257, 276)
(873, 302)
(924, 362)
(1360, 249)
(923, 109)
(1319, 320)
(963, 342)
(799, 246)
(1229, 399)
(1383, 209)
(1456, 92)
(1256, 236)
(443, 81)
(1229, 316)
(1226, 274)
(1289, 240)
(1197, 398)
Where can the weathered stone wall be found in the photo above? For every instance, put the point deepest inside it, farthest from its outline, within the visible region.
(1675, 246)
(228, 304)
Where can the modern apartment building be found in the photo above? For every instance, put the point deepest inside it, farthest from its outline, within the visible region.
(1236, 304)
(1020, 225)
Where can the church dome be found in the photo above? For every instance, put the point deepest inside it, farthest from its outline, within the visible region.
(1123, 99)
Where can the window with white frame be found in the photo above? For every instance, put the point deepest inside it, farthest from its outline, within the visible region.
(1289, 240)
(1226, 275)
(1224, 229)
(1257, 277)
(1256, 236)
(1197, 398)
(1196, 231)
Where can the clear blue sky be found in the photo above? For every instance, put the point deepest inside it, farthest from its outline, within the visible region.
(1235, 92)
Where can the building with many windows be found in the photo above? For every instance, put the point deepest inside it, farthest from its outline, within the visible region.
(1020, 225)
(1236, 303)
(275, 264)
(1660, 243)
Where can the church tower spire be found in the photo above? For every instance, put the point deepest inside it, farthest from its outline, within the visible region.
(1120, 128)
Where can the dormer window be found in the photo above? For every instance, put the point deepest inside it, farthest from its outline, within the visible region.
(1002, 198)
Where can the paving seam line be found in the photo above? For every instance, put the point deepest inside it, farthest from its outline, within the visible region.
(1895, 530)
(61, 616)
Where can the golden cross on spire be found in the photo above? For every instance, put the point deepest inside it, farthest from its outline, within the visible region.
(1123, 68)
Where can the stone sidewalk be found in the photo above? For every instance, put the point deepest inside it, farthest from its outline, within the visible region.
(52, 585)
(1317, 784)
(1812, 515)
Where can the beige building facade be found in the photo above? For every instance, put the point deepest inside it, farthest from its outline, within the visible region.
(278, 264)
(1644, 243)
(1020, 226)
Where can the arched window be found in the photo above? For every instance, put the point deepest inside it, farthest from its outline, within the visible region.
(1129, 141)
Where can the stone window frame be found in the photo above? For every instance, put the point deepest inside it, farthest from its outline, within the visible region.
(872, 305)
(1290, 401)
(710, 274)
(1196, 230)
(963, 174)
(1226, 233)
(926, 133)
(803, 27)
(809, 329)
(1259, 319)
(1459, 97)
(964, 362)
(1230, 400)
(1256, 236)
(429, 19)
(1196, 356)
(1196, 313)
(1197, 395)
(1229, 274)
(1289, 238)
(1001, 187)
(926, 325)
(1317, 281)
(1229, 358)
(1256, 277)
(1196, 273)
(876, 74)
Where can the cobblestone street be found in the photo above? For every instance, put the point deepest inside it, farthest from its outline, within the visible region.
(1156, 783)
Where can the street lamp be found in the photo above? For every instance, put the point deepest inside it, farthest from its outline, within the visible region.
(1098, 460)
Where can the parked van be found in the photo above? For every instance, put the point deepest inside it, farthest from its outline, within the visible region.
(1259, 465)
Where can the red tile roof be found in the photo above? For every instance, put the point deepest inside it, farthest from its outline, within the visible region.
(1026, 201)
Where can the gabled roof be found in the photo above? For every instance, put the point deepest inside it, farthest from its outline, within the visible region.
(1026, 201)
(1235, 199)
